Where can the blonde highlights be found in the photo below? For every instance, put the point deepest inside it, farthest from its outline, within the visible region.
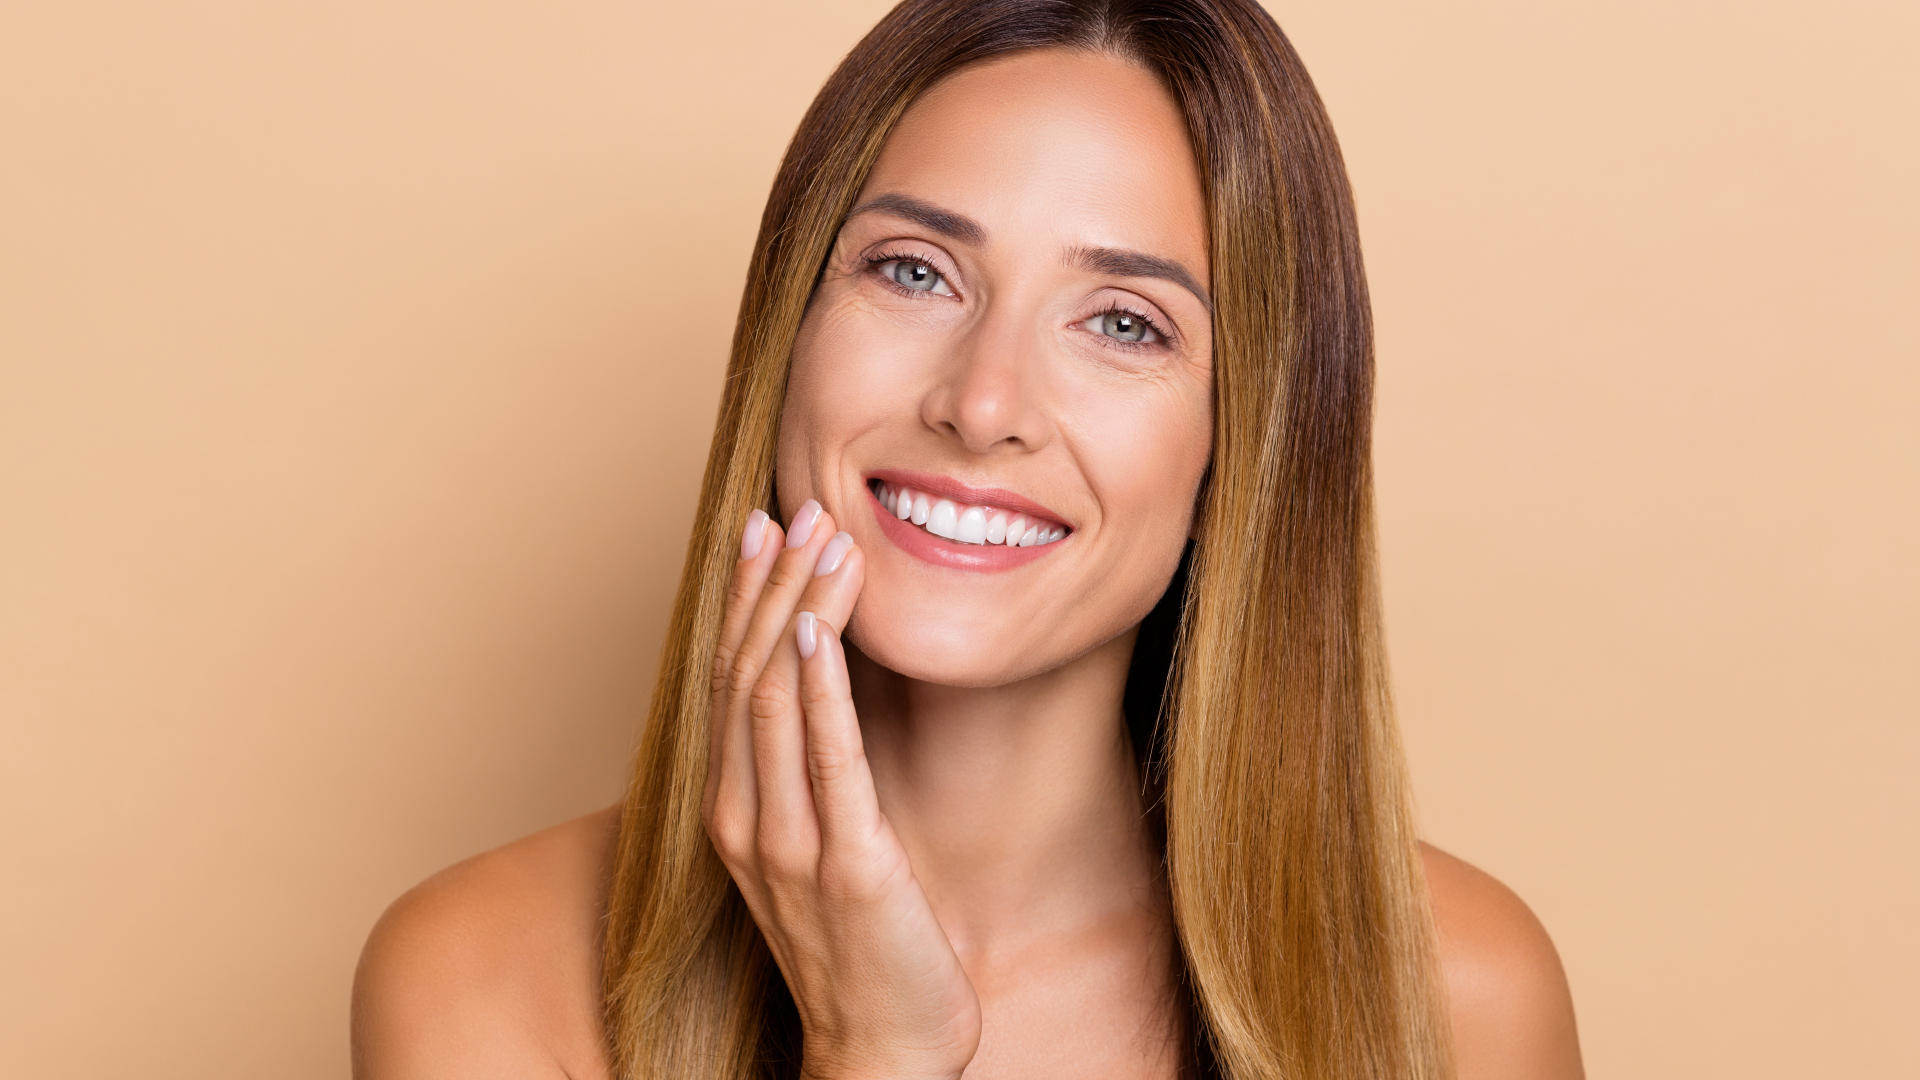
(1293, 866)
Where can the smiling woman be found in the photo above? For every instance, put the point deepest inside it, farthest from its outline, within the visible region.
(1057, 328)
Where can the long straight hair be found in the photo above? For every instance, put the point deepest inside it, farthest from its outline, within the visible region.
(1294, 870)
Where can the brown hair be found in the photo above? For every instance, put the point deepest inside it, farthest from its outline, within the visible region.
(1293, 866)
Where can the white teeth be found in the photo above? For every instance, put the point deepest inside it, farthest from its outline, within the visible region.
(966, 524)
(944, 518)
(972, 528)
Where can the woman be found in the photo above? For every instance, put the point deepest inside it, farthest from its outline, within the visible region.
(1049, 734)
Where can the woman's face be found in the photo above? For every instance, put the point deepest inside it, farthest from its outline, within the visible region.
(1011, 343)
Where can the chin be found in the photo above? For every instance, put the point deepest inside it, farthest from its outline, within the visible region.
(970, 649)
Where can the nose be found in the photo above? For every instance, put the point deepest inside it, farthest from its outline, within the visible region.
(987, 397)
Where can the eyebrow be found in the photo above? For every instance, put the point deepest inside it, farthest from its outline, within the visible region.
(1100, 260)
(1123, 263)
(945, 222)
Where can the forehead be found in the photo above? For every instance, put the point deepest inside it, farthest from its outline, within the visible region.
(1076, 148)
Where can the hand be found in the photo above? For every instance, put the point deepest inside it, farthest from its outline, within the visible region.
(790, 806)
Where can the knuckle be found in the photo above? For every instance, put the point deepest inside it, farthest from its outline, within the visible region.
(729, 829)
(723, 659)
(770, 699)
(815, 692)
(830, 764)
(785, 574)
(742, 673)
(742, 591)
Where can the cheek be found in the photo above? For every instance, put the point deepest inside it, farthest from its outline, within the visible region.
(848, 376)
(1144, 449)
(841, 349)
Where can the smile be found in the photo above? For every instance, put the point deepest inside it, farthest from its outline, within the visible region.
(965, 524)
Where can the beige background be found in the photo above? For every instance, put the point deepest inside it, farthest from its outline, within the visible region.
(356, 361)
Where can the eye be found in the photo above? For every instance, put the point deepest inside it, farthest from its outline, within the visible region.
(915, 277)
(1123, 326)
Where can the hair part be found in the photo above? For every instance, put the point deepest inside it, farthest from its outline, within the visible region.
(1294, 869)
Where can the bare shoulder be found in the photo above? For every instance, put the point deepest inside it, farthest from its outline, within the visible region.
(491, 967)
(1512, 1010)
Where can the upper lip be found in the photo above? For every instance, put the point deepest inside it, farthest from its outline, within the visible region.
(966, 494)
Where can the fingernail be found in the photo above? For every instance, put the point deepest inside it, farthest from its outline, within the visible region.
(833, 554)
(755, 535)
(808, 635)
(801, 530)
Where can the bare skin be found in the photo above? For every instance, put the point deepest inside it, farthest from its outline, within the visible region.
(918, 775)
(491, 969)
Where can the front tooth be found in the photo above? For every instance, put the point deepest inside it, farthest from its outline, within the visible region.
(972, 528)
(943, 520)
(997, 529)
(921, 509)
(1032, 536)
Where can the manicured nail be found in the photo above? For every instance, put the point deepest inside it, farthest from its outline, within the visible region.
(808, 634)
(755, 535)
(801, 530)
(833, 554)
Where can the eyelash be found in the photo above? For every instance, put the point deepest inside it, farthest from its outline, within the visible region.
(1153, 324)
(875, 262)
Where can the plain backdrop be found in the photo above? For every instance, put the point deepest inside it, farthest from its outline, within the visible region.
(357, 361)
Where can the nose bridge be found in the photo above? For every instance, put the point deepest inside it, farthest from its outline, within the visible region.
(987, 398)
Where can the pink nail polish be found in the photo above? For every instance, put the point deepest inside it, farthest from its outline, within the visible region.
(801, 530)
(807, 634)
(833, 554)
(755, 534)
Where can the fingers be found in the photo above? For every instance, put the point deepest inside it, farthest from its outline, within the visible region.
(845, 804)
(756, 629)
(761, 541)
(787, 820)
(837, 580)
(791, 573)
(760, 544)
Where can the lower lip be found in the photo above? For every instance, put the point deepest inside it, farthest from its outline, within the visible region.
(980, 558)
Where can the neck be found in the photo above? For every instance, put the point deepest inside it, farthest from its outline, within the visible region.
(1020, 805)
